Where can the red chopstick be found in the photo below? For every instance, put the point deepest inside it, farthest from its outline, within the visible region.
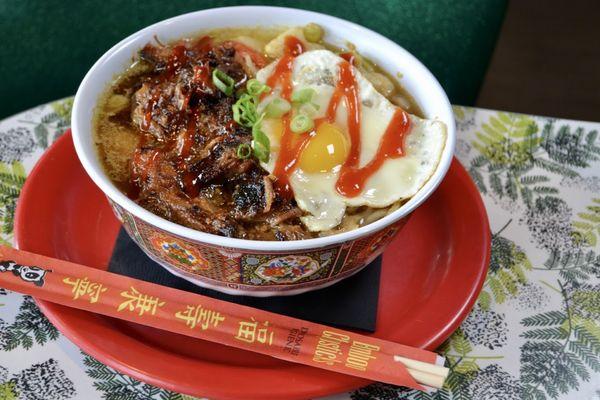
(190, 314)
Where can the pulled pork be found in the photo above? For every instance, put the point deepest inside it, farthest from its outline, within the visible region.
(186, 167)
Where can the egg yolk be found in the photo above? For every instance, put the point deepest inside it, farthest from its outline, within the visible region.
(327, 149)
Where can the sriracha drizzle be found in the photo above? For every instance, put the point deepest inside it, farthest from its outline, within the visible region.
(352, 178)
(292, 144)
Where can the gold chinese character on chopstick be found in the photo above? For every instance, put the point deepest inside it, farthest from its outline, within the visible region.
(251, 332)
(142, 303)
(198, 316)
(83, 287)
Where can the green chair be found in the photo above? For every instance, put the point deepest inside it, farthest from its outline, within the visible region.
(48, 45)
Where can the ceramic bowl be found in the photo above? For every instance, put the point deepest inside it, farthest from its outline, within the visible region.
(247, 267)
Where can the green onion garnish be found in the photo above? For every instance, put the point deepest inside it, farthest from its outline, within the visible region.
(301, 123)
(245, 113)
(256, 87)
(244, 151)
(303, 96)
(223, 82)
(277, 107)
(308, 109)
(260, 143)
(313, 32)
(244, 110)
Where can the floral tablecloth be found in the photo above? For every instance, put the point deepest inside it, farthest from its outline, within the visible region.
(534, 333)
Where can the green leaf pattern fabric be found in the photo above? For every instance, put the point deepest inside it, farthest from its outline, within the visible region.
(534, 332)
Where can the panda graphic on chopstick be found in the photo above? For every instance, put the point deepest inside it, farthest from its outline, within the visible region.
(31, 274)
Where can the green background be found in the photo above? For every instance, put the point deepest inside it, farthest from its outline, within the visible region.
(47, 46)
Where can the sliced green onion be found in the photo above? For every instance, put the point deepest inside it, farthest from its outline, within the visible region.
(308, 109)
(256, 87)
(303, 96)
(301, 123)
(260, 144)
(277, 107)
(259, 120)
(237, 113)
(245, 113)
(244, 110)
(223, 82)
(244, 151)
(313, 32)
(260, 151)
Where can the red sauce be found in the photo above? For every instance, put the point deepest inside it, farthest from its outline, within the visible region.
(347, 89)
(291, 143)
(187, 139)
(150, 109)
(348, 57)
(241, 50)
(202, 45)
(202, 76)
(185, 144)
(282, 74)
(352, 179)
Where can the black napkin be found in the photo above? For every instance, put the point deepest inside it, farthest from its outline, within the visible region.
(351, 303)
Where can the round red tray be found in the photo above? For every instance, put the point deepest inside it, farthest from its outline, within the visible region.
(431, 276)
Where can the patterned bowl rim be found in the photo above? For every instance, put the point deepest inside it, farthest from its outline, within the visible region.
(416, 78)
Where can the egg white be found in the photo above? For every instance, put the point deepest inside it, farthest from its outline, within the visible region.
(397, 179)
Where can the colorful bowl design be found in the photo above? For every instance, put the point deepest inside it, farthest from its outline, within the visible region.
(180, 254)
(287, 269)
(257, 273)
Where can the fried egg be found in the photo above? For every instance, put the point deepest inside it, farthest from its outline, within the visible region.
(314, 179)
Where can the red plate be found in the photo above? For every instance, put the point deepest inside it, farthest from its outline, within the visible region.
(431, 276)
